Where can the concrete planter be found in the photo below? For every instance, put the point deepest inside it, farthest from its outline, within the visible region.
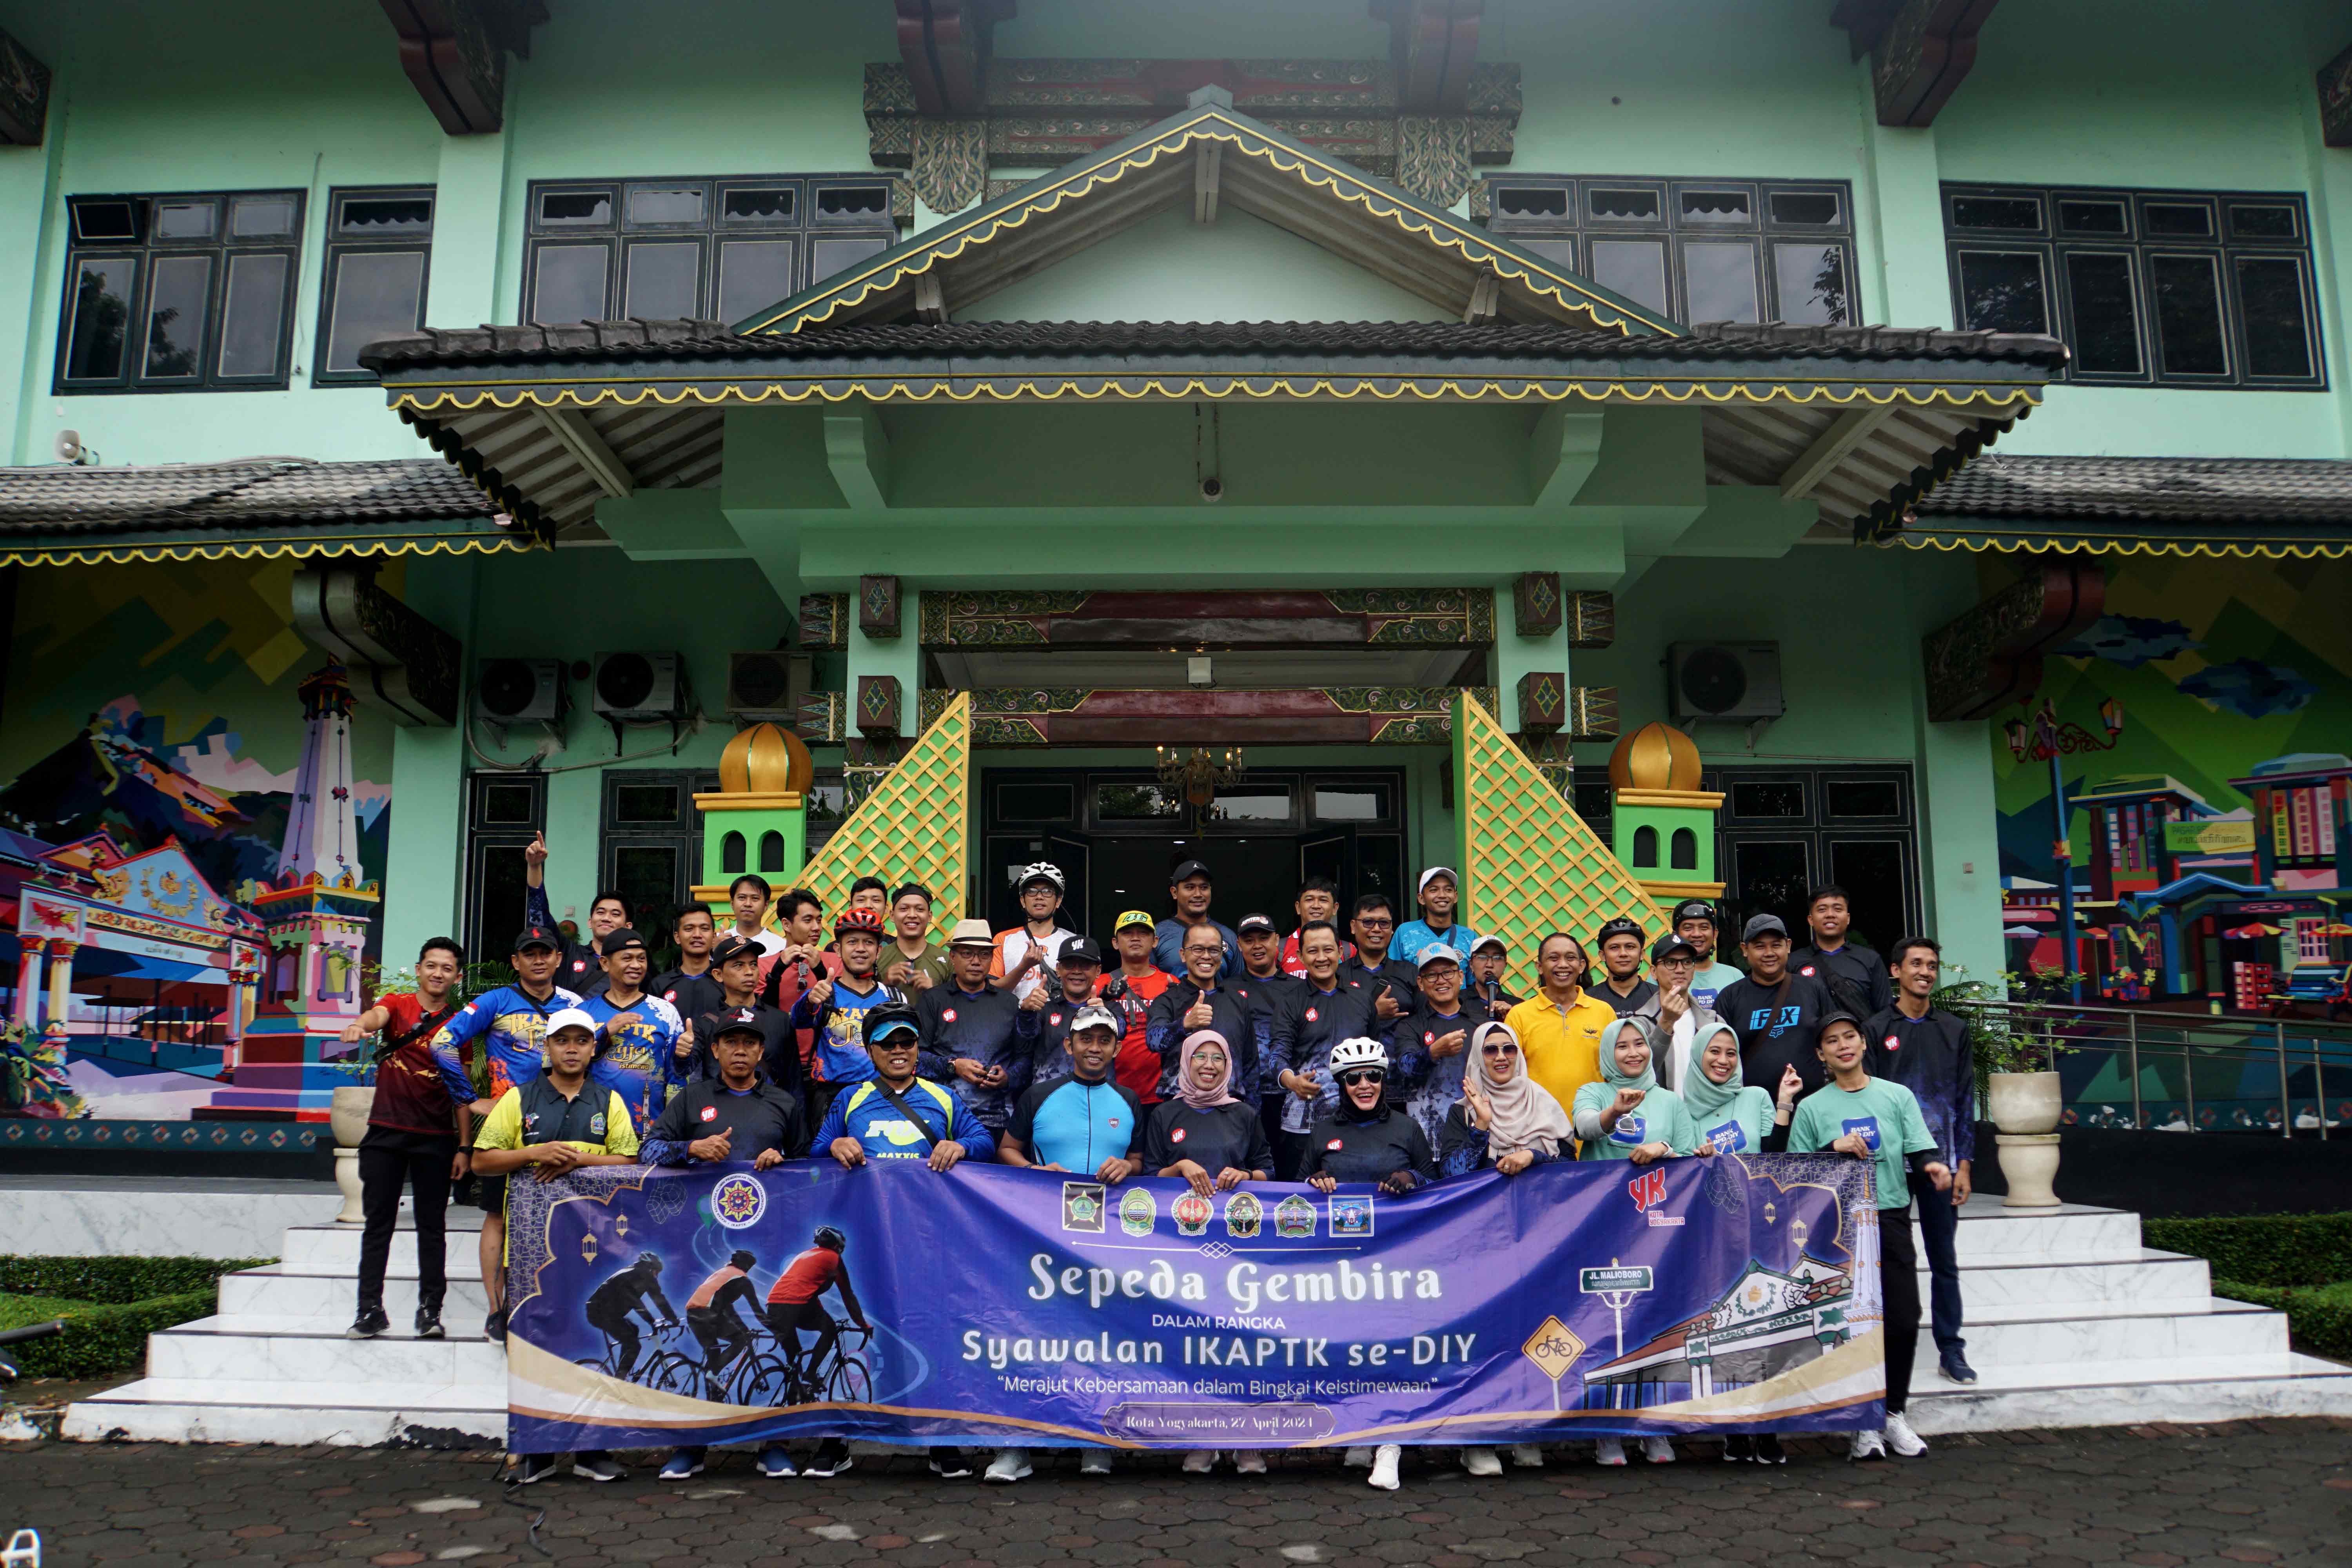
(347, 1113)
(2027, 1107)
(2020, 1102)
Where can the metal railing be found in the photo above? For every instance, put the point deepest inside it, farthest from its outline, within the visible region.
(2183, 1072)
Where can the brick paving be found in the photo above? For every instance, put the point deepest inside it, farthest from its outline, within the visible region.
(2274, 1491)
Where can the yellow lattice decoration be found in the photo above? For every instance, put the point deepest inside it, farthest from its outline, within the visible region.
(1529, 864)
(913, 827)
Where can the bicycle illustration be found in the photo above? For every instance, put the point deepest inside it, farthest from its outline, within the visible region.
(661, 1366)
(768, 1374)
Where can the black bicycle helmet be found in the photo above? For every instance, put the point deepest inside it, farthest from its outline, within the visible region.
(884, 1017)
(742, 1259)
(649, 1261)
(831, 1239)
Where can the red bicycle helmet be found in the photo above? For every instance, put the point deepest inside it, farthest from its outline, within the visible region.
(866, 920)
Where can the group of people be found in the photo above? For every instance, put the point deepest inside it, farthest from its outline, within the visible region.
(1212, 1054)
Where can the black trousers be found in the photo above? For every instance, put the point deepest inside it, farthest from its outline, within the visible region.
(390, 1159)
(1939, 1229)
(1898, 1285)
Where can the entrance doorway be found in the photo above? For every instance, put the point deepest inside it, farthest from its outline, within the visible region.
(1783, 831)
(1117, 833)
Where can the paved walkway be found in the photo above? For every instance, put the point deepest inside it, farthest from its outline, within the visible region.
(2158, 1497)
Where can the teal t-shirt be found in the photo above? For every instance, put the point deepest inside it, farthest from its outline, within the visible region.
(1659, 1118)
(1708, 982)
(1887, 1117)
(1738, 1127)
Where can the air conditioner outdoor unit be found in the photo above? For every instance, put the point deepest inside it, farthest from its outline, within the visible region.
(1727, 680)
(520, 690)
(766, 685)
(639, 688)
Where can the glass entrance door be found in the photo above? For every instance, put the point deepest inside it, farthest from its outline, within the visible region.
(1784, 831)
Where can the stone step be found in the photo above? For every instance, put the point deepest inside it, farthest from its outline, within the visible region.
(2126, 1393)
(1989, 1233)
(2213, 1328)
(273, 1349)
(335, 1249)
(270, 1291)
(2160, 1282)
(211, 1410)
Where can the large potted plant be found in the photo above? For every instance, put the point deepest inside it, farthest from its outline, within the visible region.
(2016, 1048)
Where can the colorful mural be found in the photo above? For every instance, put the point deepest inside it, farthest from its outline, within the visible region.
(190, 871)
(2207, 784)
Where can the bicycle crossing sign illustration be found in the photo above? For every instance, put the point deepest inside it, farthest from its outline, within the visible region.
(1553, 1350)
(1616, 1285)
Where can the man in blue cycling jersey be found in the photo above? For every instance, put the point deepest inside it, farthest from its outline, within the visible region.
(644, 1047)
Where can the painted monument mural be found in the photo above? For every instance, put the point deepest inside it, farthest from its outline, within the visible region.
(191, 860)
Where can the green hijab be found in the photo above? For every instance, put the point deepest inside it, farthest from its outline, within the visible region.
(1615, 1076)
(1701, 1094)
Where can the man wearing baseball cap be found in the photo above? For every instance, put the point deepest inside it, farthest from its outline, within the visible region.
(1490, 956)
(1188, 885)
(1265, 992)
(1693, 920)
(1429, 1046)
(1776, 1014)
(645, 1045)
(1618, 943)
(511, 1024)
(977, 1039)
(1129, 993)
(735, 1118)
(1671, 1012)
(1439, 893)
(1077, 978)
(735, 965)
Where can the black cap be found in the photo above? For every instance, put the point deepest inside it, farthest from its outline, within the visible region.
(734, 944)
(886, 1017)
(620, 939)
(1081, 949)
(1828, 1018)
(1762, 925)
(1666, 946)
(1623, 925)
(1694, 909)
(1256, 922)
(739, 1021)
(537, 936)
(1189, 869)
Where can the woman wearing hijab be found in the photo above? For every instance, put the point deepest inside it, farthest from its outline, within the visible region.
(1208, 1138)
(1728, 1117)
(1506, 1120)
(1367, 1140)
(1627, 1116)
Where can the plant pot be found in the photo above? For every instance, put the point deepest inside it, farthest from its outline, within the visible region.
(348, 1112)
(2022, 1103)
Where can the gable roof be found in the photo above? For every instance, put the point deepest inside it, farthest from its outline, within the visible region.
(2271, 508)
(1209, 154)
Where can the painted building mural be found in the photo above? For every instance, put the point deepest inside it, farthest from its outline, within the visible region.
(191, 855)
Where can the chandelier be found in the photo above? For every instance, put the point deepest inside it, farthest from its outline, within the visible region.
(1198, 776)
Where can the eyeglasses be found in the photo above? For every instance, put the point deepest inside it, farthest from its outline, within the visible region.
(1498, 1050)
(1373, 922)
(1362, 1075)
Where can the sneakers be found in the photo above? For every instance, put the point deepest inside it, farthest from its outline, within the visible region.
(948, 1464)
(1384, 1467)
(1658, 1450)
(1200, 1461)
(775, 1463)
(1739, 1449)
(1768, 1449)
(1866, 1445)
(1955, 1366)
(494, 1327)
(1527, 1456)
(1609, 1451)
(1249, 1461)
(371, 1323)
(1901, 1438)
(597, 1467)
(1095, 1462)
(684, 1465)
(534, 1467)
(1357, 1458)
(1009, 1466)
(428, 1324)
(1481, 1462)
(832, 1457)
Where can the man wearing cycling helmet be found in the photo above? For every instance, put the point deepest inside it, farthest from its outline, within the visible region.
(712, 1313)
(795, 1303)
(835, 1008)
(1024, 956)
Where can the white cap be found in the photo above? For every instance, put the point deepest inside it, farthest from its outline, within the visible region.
(1435, 952)
(1095, 1016)
(572, 1018)
(1445, 871)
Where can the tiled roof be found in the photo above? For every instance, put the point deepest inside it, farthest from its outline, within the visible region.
(2157, 489)
(1713, 341)
(66, 500)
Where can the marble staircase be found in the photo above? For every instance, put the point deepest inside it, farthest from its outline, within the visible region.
(2071, 1323)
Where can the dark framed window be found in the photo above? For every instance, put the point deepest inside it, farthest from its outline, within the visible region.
(1785, 830)
(1695, 250)
(379, 251)
(504, 811)
(715, 248)
(2148, 288)
(187, 293)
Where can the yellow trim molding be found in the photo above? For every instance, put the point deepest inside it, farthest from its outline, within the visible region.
(94, 553)
(1673, 892)
(779, 800)
(1699, 799)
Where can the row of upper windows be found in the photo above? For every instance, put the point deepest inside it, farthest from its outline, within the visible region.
(2148, 288)
(196, 293)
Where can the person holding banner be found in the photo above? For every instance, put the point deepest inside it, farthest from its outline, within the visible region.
(1628, 1115)
(1877, 1120)
(1365, 1139)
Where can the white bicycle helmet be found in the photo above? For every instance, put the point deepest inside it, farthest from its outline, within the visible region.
(1358, 1052)
(1042, 871)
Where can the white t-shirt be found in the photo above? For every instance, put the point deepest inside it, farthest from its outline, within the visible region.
(769, 941)
(1013, 946)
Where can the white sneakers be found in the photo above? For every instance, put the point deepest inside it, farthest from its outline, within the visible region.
(1481, 1462)
(1249, 1461)
(1867, 1446)
(1095, 1462)
(1200, 1461)
(1009, 1466)
(1901, 1438)
(1527, 1456)
(1609, 1451)
(1658, 1450)
(1384, 1467)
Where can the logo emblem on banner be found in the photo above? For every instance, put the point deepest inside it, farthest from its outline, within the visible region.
(1351, 1216)
(1138, 1212)
(737, 1201)
(1193, 1214)
(1244, 1215)
(1082, 1206)
(1294, 1218)
(1649, 1191)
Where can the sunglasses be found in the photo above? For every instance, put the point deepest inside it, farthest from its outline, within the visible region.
(1362, 1075)
(1498, 1050)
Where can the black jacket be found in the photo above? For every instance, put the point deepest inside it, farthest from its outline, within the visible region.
(765, 1118)
(1351, 1148)
(1164, 1030)
(1855, 977)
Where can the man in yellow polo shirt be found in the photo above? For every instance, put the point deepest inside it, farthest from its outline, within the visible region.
(1560, 1027)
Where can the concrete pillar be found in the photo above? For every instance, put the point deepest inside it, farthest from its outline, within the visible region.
(61, 954)
(423, 893)
(1899, 219)
(471, 278)
(32, 208)
(28, 982)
